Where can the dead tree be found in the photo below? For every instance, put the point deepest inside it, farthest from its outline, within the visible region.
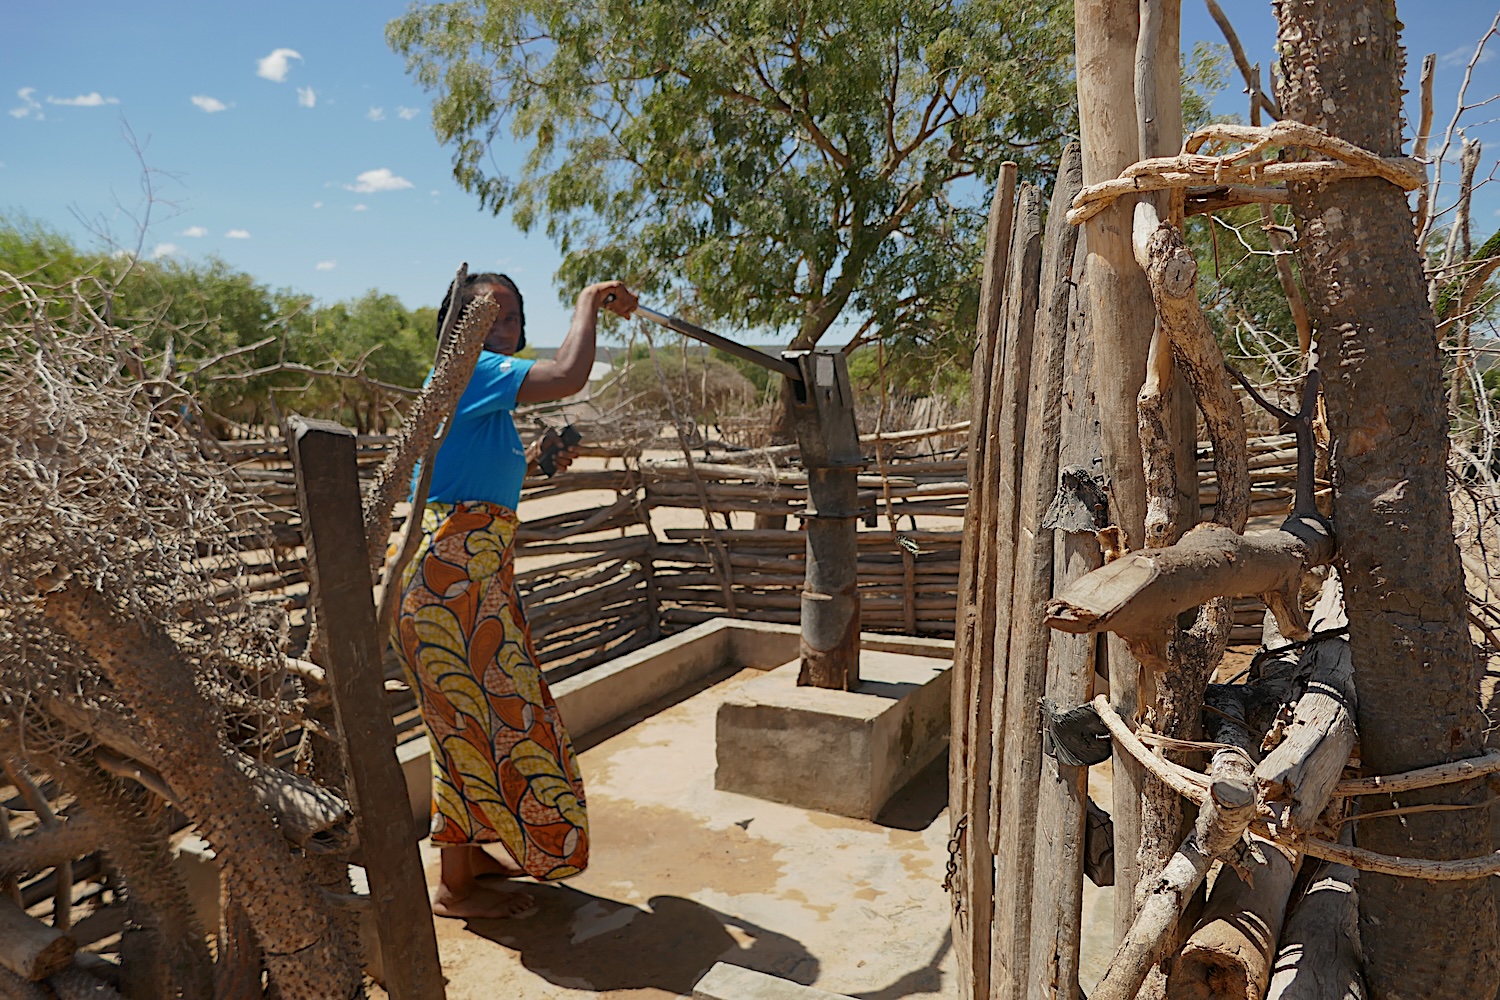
(1417, 673)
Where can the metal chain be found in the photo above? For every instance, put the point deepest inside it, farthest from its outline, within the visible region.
(955, 845)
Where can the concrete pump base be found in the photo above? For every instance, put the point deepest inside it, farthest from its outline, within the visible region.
(843, 752)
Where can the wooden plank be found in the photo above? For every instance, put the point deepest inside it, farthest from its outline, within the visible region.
(1062, 792)
(328, 494)
(1007, 427)
(1026, 664)
(972, 870)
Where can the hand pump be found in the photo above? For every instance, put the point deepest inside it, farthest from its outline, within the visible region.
(823, 415)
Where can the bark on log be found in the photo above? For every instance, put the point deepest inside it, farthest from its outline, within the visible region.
(29, 948)
(1319, 957)
(1298, 776)
(969, 764)
(1418, 677)
(14, 987)
(74, 983)
(1225, 813)
(1026, 665)
(1229, 952)
(237, 969)
(172, 958)
(307, 814)
(47, 848)
(1228, 957)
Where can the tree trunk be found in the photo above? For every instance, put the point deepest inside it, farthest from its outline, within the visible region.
(1416, 671)
(1120, 316)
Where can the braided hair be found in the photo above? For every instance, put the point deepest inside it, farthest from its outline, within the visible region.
(471, 288)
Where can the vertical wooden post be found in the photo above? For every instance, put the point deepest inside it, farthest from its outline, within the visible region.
(1030, 477)
(1120, 317)
(1007, 429)
(972, 871)
(1072, 661)
(342, 593)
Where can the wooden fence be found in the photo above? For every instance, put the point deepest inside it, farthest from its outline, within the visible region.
(599, 581)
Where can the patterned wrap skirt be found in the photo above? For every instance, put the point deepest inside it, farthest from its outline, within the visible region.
(503, 768)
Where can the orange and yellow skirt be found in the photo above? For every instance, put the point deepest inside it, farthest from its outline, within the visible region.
(503, 768)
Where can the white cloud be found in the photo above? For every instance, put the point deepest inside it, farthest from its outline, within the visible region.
(317, 204)
(327, 265)
(164, 249)
(274, 66)
(1460, 57)
(237, 234)
(209, 104)
(377, 180)
(92, 100)
(194, 232)
(361, 207)
(307, 97)
(376, 114)
(31, 109)
(407, 114)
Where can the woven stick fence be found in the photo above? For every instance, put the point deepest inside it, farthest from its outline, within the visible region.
(598, 582)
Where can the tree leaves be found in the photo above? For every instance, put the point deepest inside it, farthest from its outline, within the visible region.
(779, 163)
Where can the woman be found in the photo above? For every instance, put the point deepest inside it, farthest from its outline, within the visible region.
(503, 768)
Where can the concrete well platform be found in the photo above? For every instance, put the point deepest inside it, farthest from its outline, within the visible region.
(844, 752)
(684, 876)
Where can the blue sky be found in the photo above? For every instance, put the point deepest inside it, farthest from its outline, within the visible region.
(291, 143)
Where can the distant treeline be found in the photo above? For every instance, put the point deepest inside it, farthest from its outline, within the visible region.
(261, 350)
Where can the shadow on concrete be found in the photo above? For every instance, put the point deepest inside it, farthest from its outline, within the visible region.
(920, 800)
(585, 942)
(927, 979)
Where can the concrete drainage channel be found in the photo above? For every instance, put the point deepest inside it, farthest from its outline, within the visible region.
(840, 752)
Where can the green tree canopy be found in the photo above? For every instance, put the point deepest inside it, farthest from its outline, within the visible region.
(241, 343)
(770, 164)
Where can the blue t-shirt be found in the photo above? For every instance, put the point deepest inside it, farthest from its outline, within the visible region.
(482, 457)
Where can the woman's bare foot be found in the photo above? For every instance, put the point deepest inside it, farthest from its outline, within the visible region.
(482, 903)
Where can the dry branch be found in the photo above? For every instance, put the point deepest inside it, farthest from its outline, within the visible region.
(1226, 812)
(288, 917)
(459, 344)
(1297, 778)
(1247, 167)
(1173, 273)
(1133, 594)
(467, 339)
